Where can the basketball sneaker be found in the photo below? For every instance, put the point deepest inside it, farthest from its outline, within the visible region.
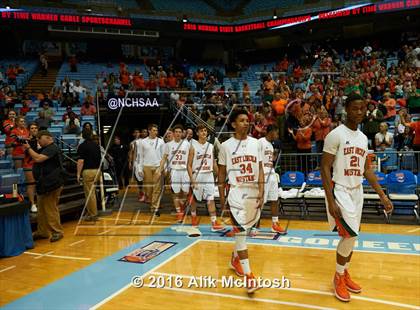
(216, 226)
(34, 209)
(231, 233)
(276, 228)
(340, 289)
(180, 217)
(251, 283)
(194, 221)
(235, 264)
(351, 286)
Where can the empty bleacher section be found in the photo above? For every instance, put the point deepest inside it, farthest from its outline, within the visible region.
(263, 5)
(22, 79)
(197, 6)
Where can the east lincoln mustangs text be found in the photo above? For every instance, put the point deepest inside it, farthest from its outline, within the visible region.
(178, 281)
(354, 160)
(245, 168)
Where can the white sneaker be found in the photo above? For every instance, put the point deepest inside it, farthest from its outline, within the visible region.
(34, 209)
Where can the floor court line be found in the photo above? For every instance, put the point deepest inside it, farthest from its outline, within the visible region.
(413, 230)
(264, 300)
(43, 255)
(308, 291)
(7, 268)
(77, 242)
(104, 232)
(104, 301)
(56, 256)
(307, 247)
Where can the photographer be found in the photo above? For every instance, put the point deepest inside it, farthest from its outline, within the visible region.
(48, 174)
(88, 164)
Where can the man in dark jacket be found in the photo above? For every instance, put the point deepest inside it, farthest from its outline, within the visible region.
(48, 174)
(119, 153)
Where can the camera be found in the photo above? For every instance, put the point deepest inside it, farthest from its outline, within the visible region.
(21, 140)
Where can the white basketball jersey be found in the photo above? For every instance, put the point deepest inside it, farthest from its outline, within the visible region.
(267, 152)
(177, 154)
(350, 148)
(203, 157)
(241, 158)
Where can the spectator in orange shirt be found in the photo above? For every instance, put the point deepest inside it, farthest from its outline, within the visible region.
(8, 126)
(390, 104)
(88, 108)
(172, 81)
(246, 92)
(11, 74)
(138, 81)
(270, 84)
(125, 78)
(162, 82)
(303, 141)
(321, 128)
(279, 106)
(18, 135)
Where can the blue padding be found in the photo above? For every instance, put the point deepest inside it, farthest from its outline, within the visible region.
(381, 179)
(15, 234)
(314, 178)
(292, 178)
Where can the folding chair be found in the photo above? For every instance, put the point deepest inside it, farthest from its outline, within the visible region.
(292, 200)
(314, 199)
(401, 186)
(372, 203)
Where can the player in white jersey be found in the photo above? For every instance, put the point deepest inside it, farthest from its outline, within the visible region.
(240, 160)
(176, 153)
(202, 167)
(345, 151)
(271, 184)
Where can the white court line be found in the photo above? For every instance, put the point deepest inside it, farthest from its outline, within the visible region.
(7, 268)
(42, 255)
(104, 232)
(104, 301)
(56, 256)
(135, 221)
(413, 230)
(309, 248)
(271, 301)
(77, 242)
(302, 290)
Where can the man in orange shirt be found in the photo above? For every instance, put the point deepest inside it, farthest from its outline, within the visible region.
(172, 81)
(390, 104)
(278, 105)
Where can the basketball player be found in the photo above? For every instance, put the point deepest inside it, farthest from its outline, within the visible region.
(201, 166)
(176, 153)
(271, 185)
(345, 151)
(241, 161)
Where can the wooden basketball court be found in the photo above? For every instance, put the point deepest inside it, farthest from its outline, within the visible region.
(84, 270)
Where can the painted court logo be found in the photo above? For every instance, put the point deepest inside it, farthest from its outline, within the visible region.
(147, 252)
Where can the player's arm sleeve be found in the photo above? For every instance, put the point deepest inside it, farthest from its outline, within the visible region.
(331, 143)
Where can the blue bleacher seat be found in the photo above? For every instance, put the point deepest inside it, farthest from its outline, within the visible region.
(5, 164)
